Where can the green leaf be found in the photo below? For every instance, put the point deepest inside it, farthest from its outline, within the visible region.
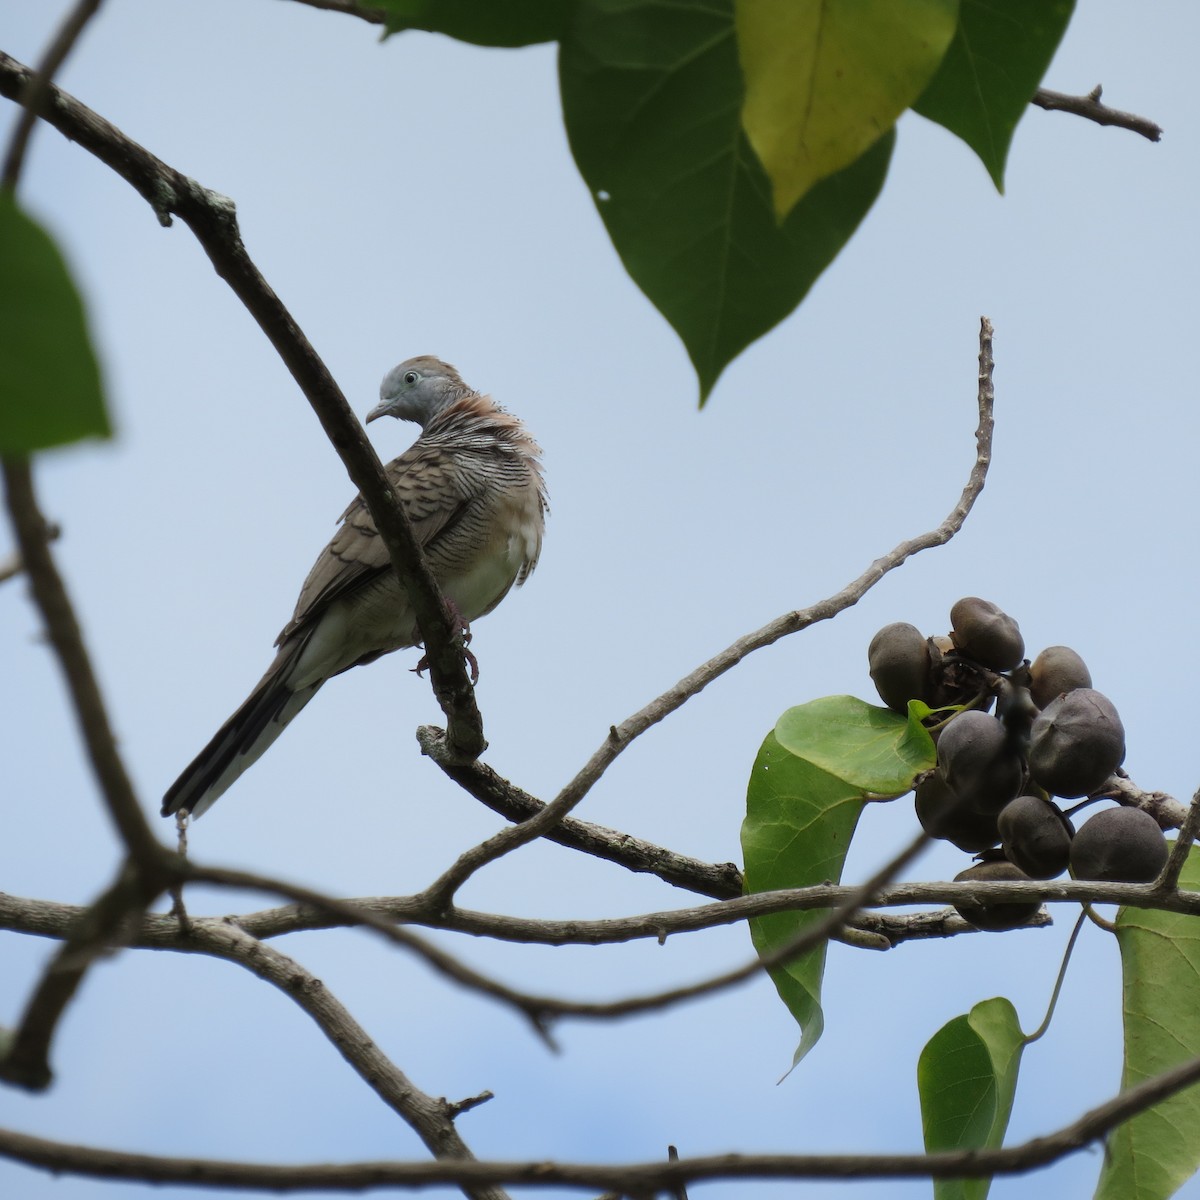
(808, 786)
(994, 65)
(652, 97)
(50, 391)
(874, 749)
(966, 1076)
(482, 22)
(826, 78)
(1151, 1156)
(799, 821)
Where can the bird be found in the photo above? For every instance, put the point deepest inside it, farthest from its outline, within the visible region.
(473, 489)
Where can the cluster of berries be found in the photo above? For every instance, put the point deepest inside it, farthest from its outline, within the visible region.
(999, 775)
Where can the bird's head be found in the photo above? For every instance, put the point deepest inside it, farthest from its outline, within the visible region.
(418, 389)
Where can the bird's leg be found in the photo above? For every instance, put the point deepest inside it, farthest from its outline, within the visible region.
(460, 628)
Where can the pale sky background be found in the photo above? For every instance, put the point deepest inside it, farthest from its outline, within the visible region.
(419, 197)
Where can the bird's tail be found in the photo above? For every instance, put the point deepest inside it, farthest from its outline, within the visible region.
(243, 739)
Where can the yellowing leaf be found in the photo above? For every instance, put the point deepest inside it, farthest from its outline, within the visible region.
(825, 79)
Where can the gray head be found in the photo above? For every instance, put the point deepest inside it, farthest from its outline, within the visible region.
(418, 389)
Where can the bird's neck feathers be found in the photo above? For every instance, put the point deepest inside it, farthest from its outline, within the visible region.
(473, 409)
(434, 410)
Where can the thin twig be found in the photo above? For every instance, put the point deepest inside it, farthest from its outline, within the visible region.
(1168, 881)
(1089, 106)
(622, 1179)
(212, 218)
(1056, 991)
(1099, 921)
(442, 890)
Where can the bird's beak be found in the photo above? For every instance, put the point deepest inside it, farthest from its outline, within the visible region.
(380, 410)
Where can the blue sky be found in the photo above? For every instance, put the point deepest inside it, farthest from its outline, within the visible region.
(418, 197)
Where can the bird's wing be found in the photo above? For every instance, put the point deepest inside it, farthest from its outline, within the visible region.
(434, 495)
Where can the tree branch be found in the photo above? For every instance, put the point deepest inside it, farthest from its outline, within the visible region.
(1089, 106)
(211, 217)
(44, 918)
(621, 1178)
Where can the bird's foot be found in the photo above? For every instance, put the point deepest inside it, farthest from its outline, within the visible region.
(460, 628)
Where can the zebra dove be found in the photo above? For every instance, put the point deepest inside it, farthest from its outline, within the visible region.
(472, 486)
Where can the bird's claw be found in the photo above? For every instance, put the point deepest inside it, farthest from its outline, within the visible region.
(460, 628)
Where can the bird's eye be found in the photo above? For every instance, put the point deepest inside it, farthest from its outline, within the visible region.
(411, 377)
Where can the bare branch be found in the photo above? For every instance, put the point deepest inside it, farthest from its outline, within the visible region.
(44, 918)
(619, 1178)
(1089, 106)
(441, 892)
(211, 217)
